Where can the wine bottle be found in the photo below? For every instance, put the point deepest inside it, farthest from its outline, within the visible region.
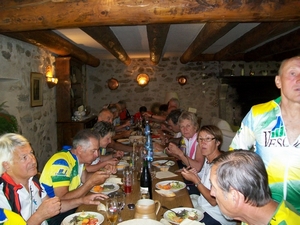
(146, 181)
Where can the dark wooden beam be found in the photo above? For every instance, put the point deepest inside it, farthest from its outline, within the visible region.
(157, 36)
(259, 34)
(25, 15)
(288, 42)
(106, 37)
(209, 34)
(52, 42)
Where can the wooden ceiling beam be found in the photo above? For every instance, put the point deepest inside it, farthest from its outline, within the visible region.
(25, 15)
(259, 34)
(157, 36)
(208, 35)
(54, 43)
(288, 42)
(106, 37)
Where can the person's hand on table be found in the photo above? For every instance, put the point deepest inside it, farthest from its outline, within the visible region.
(93, 199)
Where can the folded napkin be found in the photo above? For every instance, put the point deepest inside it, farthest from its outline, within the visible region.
(165, 174)
(166, 193)
(191, 222)
(165, 222)
(160, 155)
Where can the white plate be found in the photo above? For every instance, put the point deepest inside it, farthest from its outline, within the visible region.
(124, 141)
(198, 212)
(122, 165)
(116, 187)
(158, 162)
(182, 185)
(67, 220)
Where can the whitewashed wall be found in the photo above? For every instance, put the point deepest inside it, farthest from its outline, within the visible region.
(37, 124)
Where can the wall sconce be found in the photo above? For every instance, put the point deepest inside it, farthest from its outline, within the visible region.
(51, 81)
(182, 80)
(142, 79)
(113, 84)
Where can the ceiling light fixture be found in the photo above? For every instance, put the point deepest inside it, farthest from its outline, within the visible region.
(142, 79)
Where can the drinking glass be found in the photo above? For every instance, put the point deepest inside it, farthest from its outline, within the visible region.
(112, 211)
(120, 198)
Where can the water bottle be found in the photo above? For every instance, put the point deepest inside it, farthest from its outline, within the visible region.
(148, 143)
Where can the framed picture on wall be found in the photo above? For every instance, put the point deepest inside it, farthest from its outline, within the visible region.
(36, 89)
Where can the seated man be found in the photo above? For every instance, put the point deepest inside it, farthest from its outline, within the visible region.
(20, 190)
(106, 130)
(107, 116)
(172, 104)
(172, 126)
(240, 185)
(64, 174)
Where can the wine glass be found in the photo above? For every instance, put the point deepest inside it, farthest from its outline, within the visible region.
(112, 211)
(120, 198)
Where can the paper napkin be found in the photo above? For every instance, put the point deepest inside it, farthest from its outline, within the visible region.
(165, 174)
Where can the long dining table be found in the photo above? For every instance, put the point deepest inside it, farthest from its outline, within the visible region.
(181, 199)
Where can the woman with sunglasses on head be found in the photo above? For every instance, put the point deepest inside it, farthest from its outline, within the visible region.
(209, 141)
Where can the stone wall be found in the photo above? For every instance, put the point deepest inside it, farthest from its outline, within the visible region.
(201, 91)
(37, 124)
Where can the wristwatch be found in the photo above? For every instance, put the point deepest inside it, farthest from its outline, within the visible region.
(196, 184)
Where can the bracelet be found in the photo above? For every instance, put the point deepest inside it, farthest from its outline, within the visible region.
(196, 184)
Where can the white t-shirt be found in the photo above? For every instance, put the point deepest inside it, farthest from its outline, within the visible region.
(203, 204)
(30, 201)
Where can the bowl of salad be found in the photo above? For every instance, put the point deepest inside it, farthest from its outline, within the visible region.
(83, 218)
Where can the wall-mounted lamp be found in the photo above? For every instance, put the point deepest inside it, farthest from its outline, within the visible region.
(142, 79)
(51, 81)
(182, 80)
(113, 84)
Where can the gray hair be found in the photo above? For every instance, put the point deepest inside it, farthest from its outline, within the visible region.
(185, 115)
(104, 128)
(82, 138)
(8, 144)
(245, 172)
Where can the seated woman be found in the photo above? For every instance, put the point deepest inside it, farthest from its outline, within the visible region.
(109, 162)
(188, 153)
(209, 141)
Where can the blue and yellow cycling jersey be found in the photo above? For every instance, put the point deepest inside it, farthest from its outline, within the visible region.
(263, 128)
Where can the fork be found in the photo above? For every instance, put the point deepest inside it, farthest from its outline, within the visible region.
(161, 164)
(176, 213)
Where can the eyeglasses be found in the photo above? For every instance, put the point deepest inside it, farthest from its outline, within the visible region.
(205, 139)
